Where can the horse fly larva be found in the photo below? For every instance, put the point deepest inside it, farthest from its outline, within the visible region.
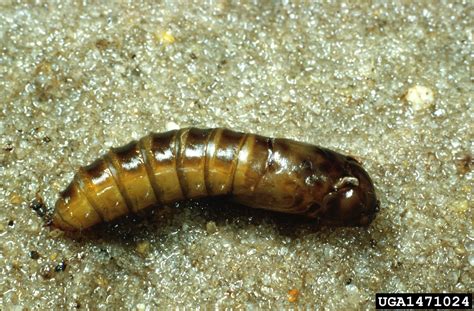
(270, 173)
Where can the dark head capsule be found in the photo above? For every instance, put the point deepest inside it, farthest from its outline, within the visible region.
(352, 200)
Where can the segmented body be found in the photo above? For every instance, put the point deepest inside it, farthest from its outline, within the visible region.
(276, 174)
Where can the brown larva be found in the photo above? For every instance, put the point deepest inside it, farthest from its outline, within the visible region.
(276, 174)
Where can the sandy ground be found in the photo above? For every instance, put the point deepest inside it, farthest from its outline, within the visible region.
(388, 83)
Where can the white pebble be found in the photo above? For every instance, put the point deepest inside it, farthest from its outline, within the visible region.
(471, 260)
(420, 97)
(141, 307)
(120, 69)
(351, 288)
(211, 227)
(171, 126)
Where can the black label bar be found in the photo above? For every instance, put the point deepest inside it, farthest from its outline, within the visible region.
(423, 301)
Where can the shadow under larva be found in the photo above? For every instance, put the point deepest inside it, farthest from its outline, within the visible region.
(275, 174)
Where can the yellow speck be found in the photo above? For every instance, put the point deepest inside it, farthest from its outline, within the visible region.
(15, 199)
(101, 281)
(166, 37)
(460, 206)
(293, 295)
(53, 256)
(460, 250)
(143, 247)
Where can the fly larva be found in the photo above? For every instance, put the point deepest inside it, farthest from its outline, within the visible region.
(270, 173)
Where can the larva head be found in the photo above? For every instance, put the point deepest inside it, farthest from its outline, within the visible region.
(352, 200)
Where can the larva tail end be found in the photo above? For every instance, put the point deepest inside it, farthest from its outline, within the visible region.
(56, 222)
(73, 211)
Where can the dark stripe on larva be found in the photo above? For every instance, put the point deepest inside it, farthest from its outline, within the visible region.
(206, 161)
(114, 172)
(80, 186)
(190, 163)
(178, 151)
(208, 154)
(149, 170)
(235, 163)
(65, 193)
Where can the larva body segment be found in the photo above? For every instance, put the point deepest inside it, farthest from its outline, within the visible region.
(275, 174)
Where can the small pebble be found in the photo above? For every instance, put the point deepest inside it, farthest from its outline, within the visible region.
(460, 206)
(143, 247)
(53, 256)
(55, 233)
(60, 267)
(464, 163)
(15, 198)
(420, 97)
(46, 272)
(34, 255)
(293, 295)
(46, 139)
(171, 126)
(101, 281)
(166, 37)
(211, 227)
(38, 206)
(141, 307)
(471, 260)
